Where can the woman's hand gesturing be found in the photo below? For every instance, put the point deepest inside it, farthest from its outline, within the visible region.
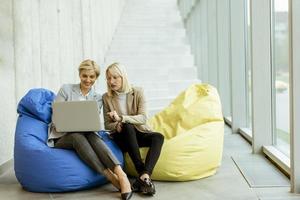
(114, 116)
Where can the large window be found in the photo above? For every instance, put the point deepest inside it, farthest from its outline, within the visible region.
(280, 75)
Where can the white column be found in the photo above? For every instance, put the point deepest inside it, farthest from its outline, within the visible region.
(198, 48)
(261, 75)
(223, 10)
(204, 40)
(212, 43)
(294, 10)
(238, 64)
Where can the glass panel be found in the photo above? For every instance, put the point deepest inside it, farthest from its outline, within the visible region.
(280, 66)
(248, 63)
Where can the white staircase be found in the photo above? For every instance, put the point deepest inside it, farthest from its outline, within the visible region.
(151, 42)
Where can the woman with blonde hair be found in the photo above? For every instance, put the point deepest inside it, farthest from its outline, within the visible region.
(124, 112)
(89, 145)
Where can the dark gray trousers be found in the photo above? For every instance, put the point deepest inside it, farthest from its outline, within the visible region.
(91, 149)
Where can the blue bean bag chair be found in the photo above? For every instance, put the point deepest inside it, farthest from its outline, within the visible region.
(40, 168)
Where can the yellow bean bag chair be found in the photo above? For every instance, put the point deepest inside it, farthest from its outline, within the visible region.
(193, 127)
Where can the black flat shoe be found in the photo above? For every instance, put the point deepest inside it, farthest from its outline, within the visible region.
(126, 196)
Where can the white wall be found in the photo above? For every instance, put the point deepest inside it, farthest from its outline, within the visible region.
(7, 82)
(42, 44)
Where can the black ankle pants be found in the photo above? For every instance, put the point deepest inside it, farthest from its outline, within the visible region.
(130, 139)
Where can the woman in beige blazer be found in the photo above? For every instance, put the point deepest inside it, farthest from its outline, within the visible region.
(124, 112)
(89, 145)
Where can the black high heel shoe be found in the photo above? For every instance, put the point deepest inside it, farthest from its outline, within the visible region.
(144, 186)
(126, 196)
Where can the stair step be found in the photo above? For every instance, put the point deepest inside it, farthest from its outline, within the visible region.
(149, 16)
(178, 86)
(150, 53)
(158, 60)
(146, 57)
(155, 92)
(156, 74)
(166, 61)
(181, 73)
(140, 27)
(151, 42)
(140, 8)
(159, 102)
(148, 34)
(154, 111)
(153, 22)
(159, 24)
(174, 87)
(167, 43)
(150, 38)
(145, 65)
(147, 48)
(150, 85)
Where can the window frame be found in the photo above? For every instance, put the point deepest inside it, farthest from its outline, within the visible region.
(294, 30)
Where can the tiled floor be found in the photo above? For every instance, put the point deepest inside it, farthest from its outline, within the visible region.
(228, 184)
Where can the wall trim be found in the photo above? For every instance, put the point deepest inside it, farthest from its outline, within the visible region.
(6, 166)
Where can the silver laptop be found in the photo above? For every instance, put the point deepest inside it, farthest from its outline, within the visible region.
(76, 116)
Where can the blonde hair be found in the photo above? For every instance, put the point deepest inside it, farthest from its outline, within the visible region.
(89, 65)
(116, 69)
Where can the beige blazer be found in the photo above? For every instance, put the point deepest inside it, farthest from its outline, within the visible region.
(136, 108)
